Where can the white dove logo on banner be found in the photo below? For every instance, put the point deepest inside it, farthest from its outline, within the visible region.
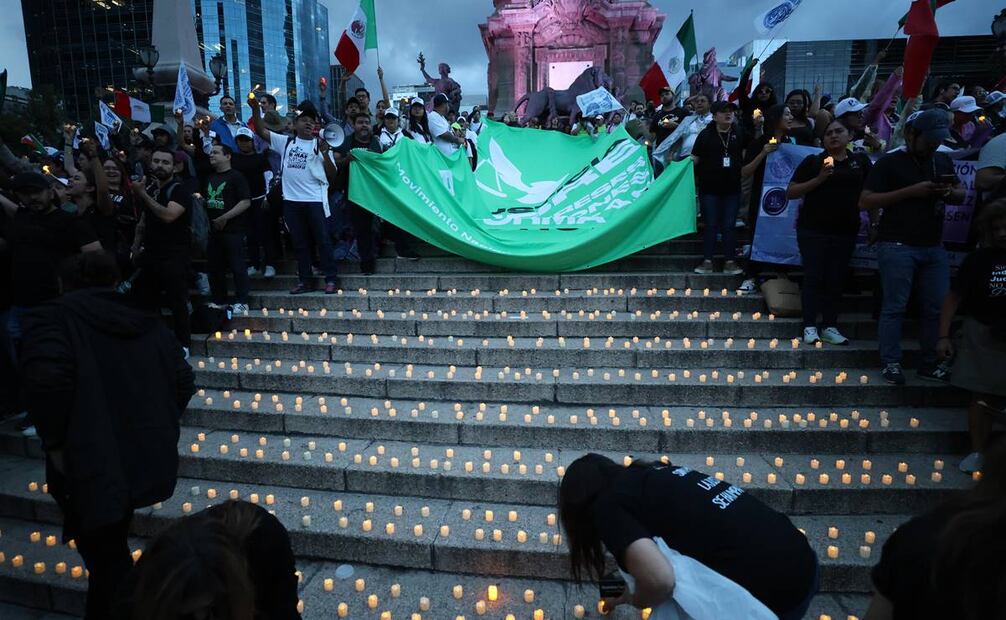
(503, 172)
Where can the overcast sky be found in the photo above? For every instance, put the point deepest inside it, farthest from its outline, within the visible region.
(447, 30)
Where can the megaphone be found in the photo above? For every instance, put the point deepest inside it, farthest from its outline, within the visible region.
(334, 134)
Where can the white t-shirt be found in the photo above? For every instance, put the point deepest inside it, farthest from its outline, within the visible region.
(438, 127)
(300, 182)
(389, 139)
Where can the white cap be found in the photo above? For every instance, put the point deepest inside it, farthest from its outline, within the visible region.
(244, 132)
(994, 97)
(848, 105)
(964, 104)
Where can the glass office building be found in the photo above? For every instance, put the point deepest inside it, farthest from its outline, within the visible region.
(83, 47)
(838, 64)
(281, 46)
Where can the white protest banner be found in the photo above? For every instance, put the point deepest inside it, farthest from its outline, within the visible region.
(597, 101)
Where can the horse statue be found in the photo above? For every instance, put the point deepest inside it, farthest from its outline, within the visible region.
(549, 103)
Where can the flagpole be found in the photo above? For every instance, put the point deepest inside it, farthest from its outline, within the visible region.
(378, 48)
(891, 42)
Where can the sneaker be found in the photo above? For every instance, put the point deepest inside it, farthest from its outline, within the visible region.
(939, 373)
(739, 223)
(29, 431)
(241, 309)
(367, 267)
(810, 335)
(747, 286)
(971, 463)
(731, 268)
(270, 272)
(893, 375)
(831, 335)
(995, 404)
(185, 352)
(214, 306)
(705, 268)
(253, 272)
(331, 288)
(203, 284)
(407, 253)
(302, 288)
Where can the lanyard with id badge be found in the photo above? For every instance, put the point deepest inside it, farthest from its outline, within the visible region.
(726, 146)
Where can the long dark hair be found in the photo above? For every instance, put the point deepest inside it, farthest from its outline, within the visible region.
(802, 94)
(968, 563)
(773, 116)
(195, 564)
(584, 481)
(421, 126)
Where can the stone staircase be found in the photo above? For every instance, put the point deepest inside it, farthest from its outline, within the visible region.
(416, 425)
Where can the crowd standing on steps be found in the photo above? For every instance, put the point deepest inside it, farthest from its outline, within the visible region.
(98, 240)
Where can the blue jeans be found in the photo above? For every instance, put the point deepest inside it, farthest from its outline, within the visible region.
(900, 264)
(719, 214)
(306, 221)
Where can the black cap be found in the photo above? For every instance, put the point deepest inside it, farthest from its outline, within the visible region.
(934, 124)
(160, 129)
(723, 106)
(30, 181)
(306, 108)
(440, 99)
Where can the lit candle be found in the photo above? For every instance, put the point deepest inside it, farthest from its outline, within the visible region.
(493, 593)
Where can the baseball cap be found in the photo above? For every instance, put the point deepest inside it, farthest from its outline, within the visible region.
(933, 124)
(417, 101)
(994, 97)
(30, 181)
(244, 132)
(440, 99)
(723, 106)
(964, 104)
(848, 106)
(390, 113)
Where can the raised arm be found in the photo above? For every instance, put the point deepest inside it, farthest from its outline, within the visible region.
(384, 89)
(882, 99)
(864, 85)
(69, 131)
(260, 128)
(105, 205)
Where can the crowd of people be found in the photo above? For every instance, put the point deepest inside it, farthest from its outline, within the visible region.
(95, 238)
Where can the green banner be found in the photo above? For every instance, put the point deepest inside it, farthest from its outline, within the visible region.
(538, 200)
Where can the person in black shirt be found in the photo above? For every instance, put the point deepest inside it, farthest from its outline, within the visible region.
(40, 236)
(912, 187)
(717, 155)
(667, 118)
(826, 228)
(948, 563)
(166, 242)
(980, 288)
(363, 220)
(262, 222)
(603, 505)
(227, 199)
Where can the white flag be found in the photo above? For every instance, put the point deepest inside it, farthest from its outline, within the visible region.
(184, 100)
(771, 19)
(139, 111)
(109, 118)
(597, 101)
(76, 140)
(102, 132)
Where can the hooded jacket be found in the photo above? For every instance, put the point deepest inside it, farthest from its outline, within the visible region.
(105, 385)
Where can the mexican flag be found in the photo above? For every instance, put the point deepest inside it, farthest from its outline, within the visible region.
(136, 110)
(359, 36)
(671, 69)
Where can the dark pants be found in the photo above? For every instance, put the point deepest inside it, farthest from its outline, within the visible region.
(168, 274)
(719, 213)
(900, 266)
(825, 264)
(263, 223)
(8, 382)
(106, 555)
(306, 221)
(365, 228)
(226, 252)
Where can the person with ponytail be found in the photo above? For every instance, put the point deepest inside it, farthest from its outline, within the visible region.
(604, 506)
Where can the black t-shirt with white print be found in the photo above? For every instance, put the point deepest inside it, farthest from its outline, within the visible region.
(981, 282)
(714, 522)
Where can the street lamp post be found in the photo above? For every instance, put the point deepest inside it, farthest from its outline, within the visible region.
(218, 67)
(149, 57)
